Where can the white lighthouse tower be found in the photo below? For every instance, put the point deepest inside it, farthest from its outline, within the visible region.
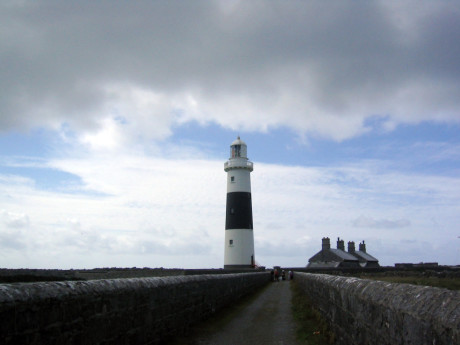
(239, 235)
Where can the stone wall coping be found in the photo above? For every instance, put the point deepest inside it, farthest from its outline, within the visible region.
(22, 292)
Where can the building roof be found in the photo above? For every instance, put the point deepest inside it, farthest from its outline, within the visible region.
(332, 255)
(365, 256)
(342, 254)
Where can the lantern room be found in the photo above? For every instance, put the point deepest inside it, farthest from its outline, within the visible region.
(238, 149)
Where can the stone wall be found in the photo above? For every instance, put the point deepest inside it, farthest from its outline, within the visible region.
(439, 271)
(362, 311)
(117, 311)
(30, 275)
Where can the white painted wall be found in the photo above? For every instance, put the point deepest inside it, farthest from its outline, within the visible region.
(242, 181)
(242, 249)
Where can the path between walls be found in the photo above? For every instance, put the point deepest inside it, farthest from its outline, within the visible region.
(265, 320)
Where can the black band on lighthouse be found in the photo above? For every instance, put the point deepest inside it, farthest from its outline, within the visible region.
(239, 211)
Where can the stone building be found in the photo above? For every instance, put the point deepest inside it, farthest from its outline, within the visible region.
(365, 259)
(338, 258)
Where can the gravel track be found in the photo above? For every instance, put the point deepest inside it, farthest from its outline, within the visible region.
(265, 320)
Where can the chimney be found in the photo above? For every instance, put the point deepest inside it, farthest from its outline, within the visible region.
(340, 244)
(351, 247)
(326, 243)
(362, 247)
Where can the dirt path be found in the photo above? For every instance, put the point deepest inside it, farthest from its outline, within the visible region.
(265, 320)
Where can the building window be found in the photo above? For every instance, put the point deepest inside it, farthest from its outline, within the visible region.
(232, 179)
(230, 243)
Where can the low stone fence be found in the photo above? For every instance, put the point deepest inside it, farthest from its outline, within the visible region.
(362, 311)
(117, 311)
(25, 275)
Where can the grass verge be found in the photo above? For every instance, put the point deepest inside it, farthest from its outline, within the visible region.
(312, 328)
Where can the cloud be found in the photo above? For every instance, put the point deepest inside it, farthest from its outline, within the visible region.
(117, 71)
(368, 222)
(9, 241)
(134, 209)
(12, 229)
(14, 220)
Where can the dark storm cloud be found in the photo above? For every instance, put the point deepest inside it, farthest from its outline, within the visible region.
(300, 64)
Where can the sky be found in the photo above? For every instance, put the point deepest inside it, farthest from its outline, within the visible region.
(116, 119)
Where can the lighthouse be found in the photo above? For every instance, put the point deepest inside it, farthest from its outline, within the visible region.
(239, 234)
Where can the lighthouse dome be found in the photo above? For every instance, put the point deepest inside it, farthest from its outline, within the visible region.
(238, 141)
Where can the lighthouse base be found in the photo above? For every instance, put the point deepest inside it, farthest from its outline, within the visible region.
(239, 249)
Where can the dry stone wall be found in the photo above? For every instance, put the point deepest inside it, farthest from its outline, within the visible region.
(24, 275)
(116, 311)
(362, 311)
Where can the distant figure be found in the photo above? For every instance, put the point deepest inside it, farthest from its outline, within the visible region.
(283, 275)
(276, 275)
(291, 275)
(272, 275)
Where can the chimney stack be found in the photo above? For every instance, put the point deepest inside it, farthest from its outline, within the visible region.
(326, 243)
(340, 244)
(362, 247)
(351, 247)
